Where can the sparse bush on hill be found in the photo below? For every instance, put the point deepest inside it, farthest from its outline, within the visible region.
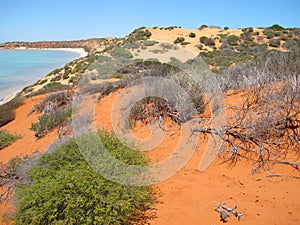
(192, 35)
(274, 43)
(233, 40)
(202, 27)
(179, 40)
(55, 109)
(7, 138)
(202, 39)
(64, 189)
(276, 27)
(119, 52)
(226, 28)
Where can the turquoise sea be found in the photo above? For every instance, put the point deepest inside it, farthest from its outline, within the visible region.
(19, 68)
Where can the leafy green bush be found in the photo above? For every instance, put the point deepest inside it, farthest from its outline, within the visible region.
(274, 43)
(202, 39)
(192, 35)
(179, 40)
(226, 28)
(119, 52)
(276, 27)
(64, 189)
(233, 39)
(7, 138)
(43, 81)
(202, 27)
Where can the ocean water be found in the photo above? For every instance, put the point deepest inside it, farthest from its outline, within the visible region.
(20, 68)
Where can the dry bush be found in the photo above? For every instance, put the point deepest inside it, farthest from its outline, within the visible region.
(265, 127)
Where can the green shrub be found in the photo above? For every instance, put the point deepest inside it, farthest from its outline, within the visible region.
(119, 52)
(226, 28)
(185, 43)
(276, 27)
(202, 39)
(43, 81)
(192, 35)
(202, 27)
(233, 39)
(7, 138)
(64, 189)
(178, 40)
(269, 33)
(274, 43)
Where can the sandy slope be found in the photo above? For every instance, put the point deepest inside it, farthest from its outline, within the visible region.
(190, 196)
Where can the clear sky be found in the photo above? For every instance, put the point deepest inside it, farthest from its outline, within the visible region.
(38, 20)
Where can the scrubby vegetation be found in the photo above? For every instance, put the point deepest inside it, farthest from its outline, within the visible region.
(179, 40)
(64, 189)
(7, 138)
(119, 52)
(55, 109)
(264, 128)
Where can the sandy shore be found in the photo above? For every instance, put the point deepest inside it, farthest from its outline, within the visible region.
(79, 51)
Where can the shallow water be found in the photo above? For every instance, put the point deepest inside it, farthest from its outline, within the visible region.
(19, 68)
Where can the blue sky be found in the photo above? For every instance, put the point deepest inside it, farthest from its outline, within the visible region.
(30, 20)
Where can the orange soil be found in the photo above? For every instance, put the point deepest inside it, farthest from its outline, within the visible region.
(28, 143)
(190, 196)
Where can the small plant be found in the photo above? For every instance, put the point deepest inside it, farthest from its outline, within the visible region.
(7, 138)
(43, 81)
(233, 40)
(226, 28)
(192, 35)
(274, 43)
(185, 43)
(179, 40)
(202, 27)
(119, 52)
(202, 39)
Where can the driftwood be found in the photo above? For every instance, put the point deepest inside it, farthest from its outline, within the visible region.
(225, 212)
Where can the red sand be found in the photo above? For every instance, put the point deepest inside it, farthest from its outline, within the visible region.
(190, 196)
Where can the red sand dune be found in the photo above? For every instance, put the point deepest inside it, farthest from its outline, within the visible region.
(190, 196)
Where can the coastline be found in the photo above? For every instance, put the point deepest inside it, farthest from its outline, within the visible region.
(13, 93)
(80, 51)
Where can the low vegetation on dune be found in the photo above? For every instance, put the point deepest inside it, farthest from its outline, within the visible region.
(55, 111)
(78, 194)
(7, 138)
